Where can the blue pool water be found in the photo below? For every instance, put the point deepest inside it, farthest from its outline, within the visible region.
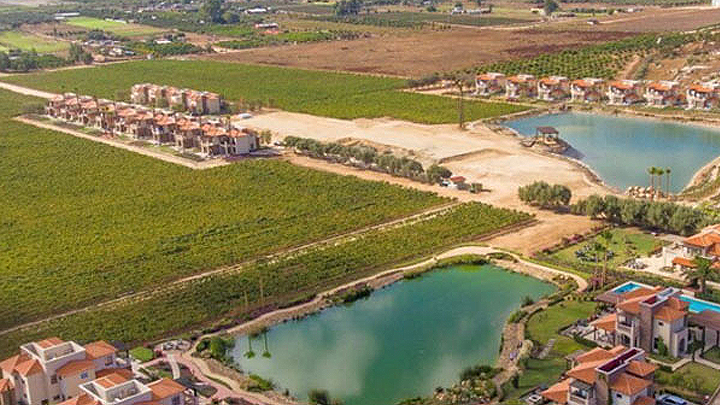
(699, 305)
(627, 287)
(621, 149)
(696, 305)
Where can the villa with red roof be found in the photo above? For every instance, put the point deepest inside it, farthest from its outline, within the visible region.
(520, 86)
(616, 376)
(702, 96)
(663, 94)
(553, 88)
(647, 318)
(192, 101)
(489, 83)
(587, 90)
(624, 92)
(704, 244)
(53, 371)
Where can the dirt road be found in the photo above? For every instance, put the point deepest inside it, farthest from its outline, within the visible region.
(27, 91)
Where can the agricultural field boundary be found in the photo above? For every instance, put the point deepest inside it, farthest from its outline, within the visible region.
(137, 149)
(228, 269)
(27, 91)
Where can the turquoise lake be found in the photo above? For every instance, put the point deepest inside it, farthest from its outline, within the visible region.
(621, 149)
(401, 342)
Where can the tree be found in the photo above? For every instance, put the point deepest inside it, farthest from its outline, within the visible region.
(594, 206)
(651, 172)
(659, 172)
(231, 17)
(213, 10)
(701, 272)
(667, 180)
(348, 7)
(437, 173)
(550, 7)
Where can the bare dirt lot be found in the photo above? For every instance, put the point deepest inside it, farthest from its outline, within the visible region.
(423, 52)
(427, 51)
(499, 162)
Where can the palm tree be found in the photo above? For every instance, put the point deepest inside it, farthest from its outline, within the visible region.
(651, 172)
(599, 249)
(702, 270)
(659, 172)
(667, 180)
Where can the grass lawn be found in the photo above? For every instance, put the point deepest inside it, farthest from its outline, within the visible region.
(115, 27)
(691, 377)
(142, 354)
(27, 42)
(338, 95)
(542, 327)
(625, 244)
(713, 355)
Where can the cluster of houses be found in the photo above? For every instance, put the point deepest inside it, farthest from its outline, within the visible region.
(191, 101)
(209, 136)
(589, 90)
(642, 319)
(53, 371)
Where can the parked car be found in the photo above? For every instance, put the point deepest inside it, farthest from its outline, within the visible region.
(667, 399)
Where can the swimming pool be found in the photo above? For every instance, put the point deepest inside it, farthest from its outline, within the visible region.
(696, 305)
(627, 287)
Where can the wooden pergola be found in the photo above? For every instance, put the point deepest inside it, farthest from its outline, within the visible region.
(547, 132)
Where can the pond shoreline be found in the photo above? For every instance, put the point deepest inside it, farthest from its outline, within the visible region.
(460, 255)
(699, 123)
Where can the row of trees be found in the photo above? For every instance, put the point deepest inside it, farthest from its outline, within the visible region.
(21, 61)
(545, 195)
(386, 162)
(661, 216)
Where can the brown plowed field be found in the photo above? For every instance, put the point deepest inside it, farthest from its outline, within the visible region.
(424, 52)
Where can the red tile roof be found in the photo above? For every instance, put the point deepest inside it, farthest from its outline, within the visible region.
(75, 367)
(558, 392)
(165, 388)
(99, 349)
(29, 367)
(643, 400)
(641, 368)
(82, 399)
(629, 385)
(5, 385)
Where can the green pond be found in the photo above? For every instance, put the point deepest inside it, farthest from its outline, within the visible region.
(401, 342)
(621, 149)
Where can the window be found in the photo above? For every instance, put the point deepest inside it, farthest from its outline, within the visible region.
(618, 395)
(53, 379)
(176, 400)
(660, 323)
(108, 360)
(84, 375)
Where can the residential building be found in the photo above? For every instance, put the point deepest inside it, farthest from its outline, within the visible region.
(120, 389)
(520, 86)
(53, 371)
(588, 90)
(489, 83)
(624, 92)
(208, 136)
(705, 244)
(702, 96)
(553, 88)
(650, 318)
(50, 371)
(192, 101)
(617, 376)
(663, 94)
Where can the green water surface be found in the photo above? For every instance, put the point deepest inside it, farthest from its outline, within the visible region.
(401, 342)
